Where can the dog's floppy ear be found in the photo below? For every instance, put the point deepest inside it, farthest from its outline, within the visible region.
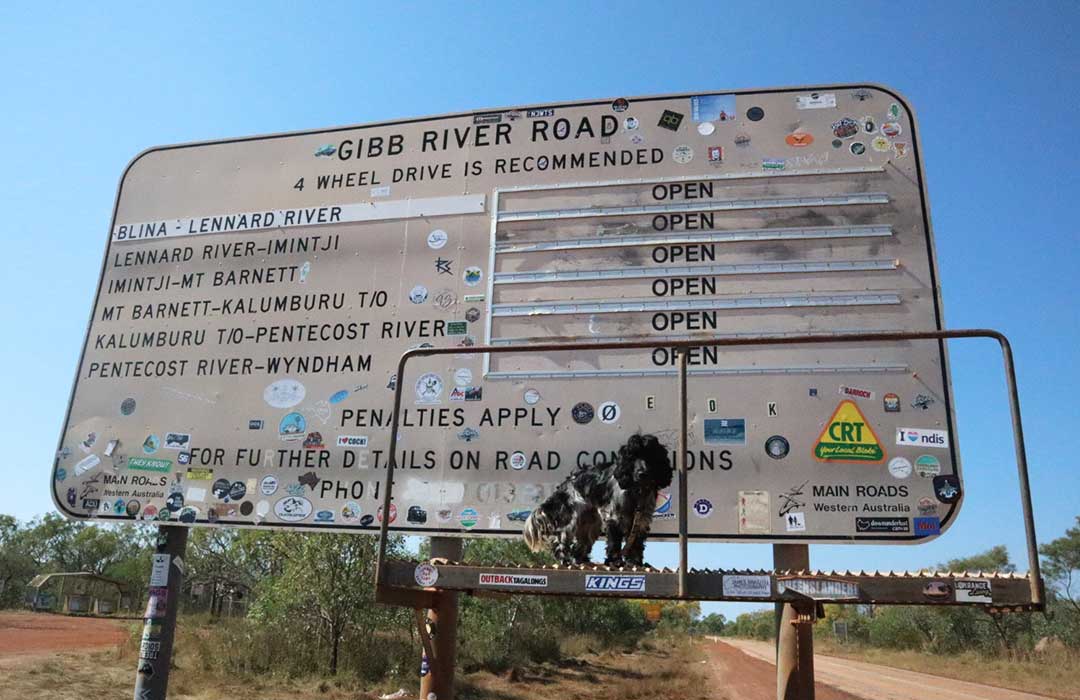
(628, 456)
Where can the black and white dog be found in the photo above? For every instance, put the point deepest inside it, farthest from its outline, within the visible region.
(615, 500)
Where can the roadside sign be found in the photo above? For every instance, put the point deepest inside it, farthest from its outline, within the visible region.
(256, 295)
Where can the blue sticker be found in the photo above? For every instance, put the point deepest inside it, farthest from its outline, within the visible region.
(292, 427)
(927, 526)
(339, 396)
(61, 474)
(712, 108)
(725, 431)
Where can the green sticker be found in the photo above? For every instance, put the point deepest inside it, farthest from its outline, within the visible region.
(457, 328)
(149, 465)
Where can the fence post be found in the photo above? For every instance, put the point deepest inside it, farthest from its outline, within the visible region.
(437, 675)
(159, 626)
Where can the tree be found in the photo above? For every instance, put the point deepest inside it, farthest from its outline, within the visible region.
(1061, 564)
(17, 566)
(713, 624)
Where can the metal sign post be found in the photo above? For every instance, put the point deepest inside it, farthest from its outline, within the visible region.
(794, 635)
(437, 674)
(155, 650)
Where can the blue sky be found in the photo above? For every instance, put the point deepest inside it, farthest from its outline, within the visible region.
(995, 87)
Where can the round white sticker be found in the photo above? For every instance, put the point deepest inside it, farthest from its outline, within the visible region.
(426, 575)
(418, 295)
(518, 460)
(437, 239)
(284, 393)
(682, 154)
(269, 485)
(532, 397)
(429, 387)
(900, 467)
(463, 377)
(608, 412)
(705, 128)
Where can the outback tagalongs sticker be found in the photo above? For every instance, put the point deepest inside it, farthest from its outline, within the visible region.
(516, 580)
(747, 586)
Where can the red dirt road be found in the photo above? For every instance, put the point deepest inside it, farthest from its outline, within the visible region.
(42, 633)
(740, 676)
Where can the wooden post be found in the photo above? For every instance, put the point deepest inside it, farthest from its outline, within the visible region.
(437, 675)
(155, 651)
(794, 640)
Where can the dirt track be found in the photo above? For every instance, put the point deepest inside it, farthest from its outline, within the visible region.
(865, 680)
(740, 676)
(23, 633)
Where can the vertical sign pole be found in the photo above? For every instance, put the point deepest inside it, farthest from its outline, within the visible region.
(680, 462)
(155, 651)
(438, 682)
(794, 642)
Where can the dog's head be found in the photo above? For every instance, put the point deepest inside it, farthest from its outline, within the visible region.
(643, 460)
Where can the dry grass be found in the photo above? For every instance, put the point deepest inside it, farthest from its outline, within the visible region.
(1056, 673)
(659, 669)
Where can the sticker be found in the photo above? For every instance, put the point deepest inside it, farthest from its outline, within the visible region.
(858, 148)
(927, 466)
(292, 427)
(188, 514)
(755, 114)
(325, 151)
(429, 388)
(795, 522)
(725, 431)
(927, 526)
(425, 575)
(517, 580)
(457, 328)
(367, 520)
(815, 100)
(900, 467)
(706, 128)
(614, 582)
(255, 424)
(534, 113)
(472, 315)
(880, 144)
(937, 590)
(799, 139)
(742, 140)
(670, 120)
(620, 105)
(947, 488)
(88, 444)
(772, 163)
(894, 111)
(151, 444)
(682, 154)
(703, 507)
(715, 154)
(468, 434)
(351, 511)
(86, 464)
(468, 518)
(819, 588)
(463, 376)
(159, 570)
(754, 513)
(631, 123)
(747, 586)
(845, 128)
(195, 494)
(149, 465)
(927, 506)
(437, 239)
(663, 509)
(473, 275)
(269, 485)
(292, 508)
(416, 515)
(472, 298)
(848, 437)
(609, 412)
(442, 266)
(518, 461)
(868, 124)
(183, 458)
(900, 149)
(127, 407)
(221, 487)
(418, 294)
(882, 525)
(891, 403)
(582, 413)
(650, 403)
(339, 396)
(771, 409)
(324, 516)
(973, 590)
(284, 393)
(856, 393)
(61, 475)
(712, 108)
(532, 397)
(920, 437)
(922, 401)
(891, 129)
(177, 441)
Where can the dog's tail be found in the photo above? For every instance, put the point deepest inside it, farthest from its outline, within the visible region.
(538, 527)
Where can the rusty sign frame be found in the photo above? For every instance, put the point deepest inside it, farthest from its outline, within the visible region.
(682, 584)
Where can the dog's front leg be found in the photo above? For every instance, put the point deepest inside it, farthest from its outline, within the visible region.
(634, 552)
(614, 537)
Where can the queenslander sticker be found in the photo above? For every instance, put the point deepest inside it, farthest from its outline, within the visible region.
(747, 586)
(615, 583)
(516, 580)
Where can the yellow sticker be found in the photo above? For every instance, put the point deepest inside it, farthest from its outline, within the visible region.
(848, 437)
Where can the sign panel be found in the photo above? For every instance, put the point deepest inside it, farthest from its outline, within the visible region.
(256, 294)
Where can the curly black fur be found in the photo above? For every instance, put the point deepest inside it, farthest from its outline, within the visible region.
(614, 500)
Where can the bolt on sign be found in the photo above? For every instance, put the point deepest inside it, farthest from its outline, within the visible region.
(256, 294)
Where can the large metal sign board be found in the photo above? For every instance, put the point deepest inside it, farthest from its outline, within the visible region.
(257, 293)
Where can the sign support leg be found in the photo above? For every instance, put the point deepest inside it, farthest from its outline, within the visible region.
(438, 682)
(794, 639)
(159, 627)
